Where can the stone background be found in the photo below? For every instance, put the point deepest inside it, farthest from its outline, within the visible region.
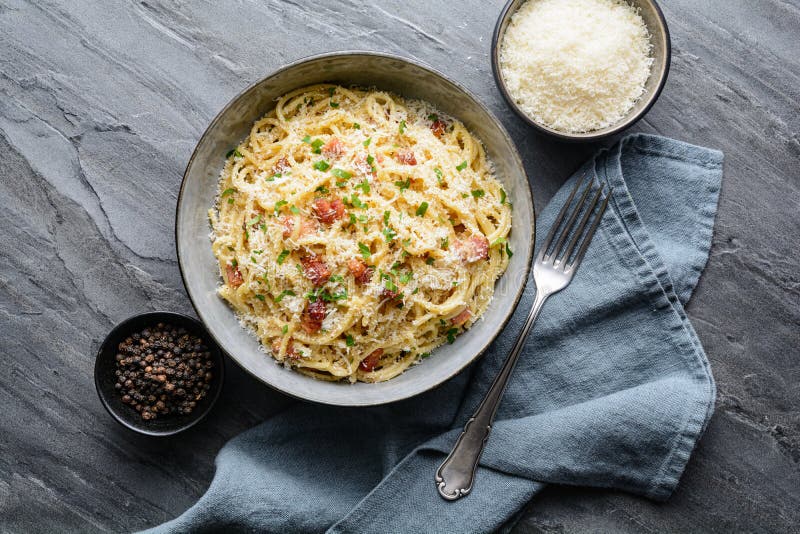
(101, 104)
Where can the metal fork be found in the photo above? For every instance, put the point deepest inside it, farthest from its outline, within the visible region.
(553, 270)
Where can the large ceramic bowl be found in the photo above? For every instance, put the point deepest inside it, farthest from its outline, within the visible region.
(199, 267)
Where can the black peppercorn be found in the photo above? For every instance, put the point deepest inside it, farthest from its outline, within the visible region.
(163, 370)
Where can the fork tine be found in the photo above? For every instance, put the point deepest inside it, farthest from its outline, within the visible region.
(549, 239)
(585, 245)
(574, 215)
(570, 248)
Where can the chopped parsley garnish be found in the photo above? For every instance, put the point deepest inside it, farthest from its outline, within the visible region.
(356, 202)
(278, 206)
(364, 249)
(508, 251)
(502, 196)
(402, 127)
(367, 142)
(260, 297)
(370, 161)
(322, 189)
(389, 234)
(403, 185)
(282, 256)
(406, 277)
(349, 341)
(356, 126)
(227, 192)
(316, 146)
(464, 195)
(433, 117)
(461, 166)
(258, 252)
(387, 281)
(254, 221)
(406, 242)
(230, 201)
(362, 218)
(234, 152)
(331, 91)
(451, 335)
(364, 186)
(272, 178)
(352, 219)
(322, 165)
(386, 215)
(478, 193)
(285, 328)
(324, 295)
(438, 172)
(423, 207)
(334, 104)
(234, 263)
(416, 290)
(429, 261)
(294, 209)
(340, 173)
(336, 278)
(445, 243)
(284, 293)
(307, 139)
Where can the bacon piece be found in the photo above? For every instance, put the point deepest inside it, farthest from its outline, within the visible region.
(390, 294)
(307, 225)
(234, 276)
(290, 352)
(281, 165)
(461, 318)
(313, 316)
(328, 210)
(333, 148)
(438, 127)
(369, 363)
(406, 157)
(315, 269)
(360, 271)
(473, 248)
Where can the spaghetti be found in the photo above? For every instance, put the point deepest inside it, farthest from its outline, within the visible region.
(356, 231)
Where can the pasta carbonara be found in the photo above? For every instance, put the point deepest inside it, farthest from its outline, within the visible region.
(356, 231)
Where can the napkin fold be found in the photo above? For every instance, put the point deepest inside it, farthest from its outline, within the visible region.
(613, 389)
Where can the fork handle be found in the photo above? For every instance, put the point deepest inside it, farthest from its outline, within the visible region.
(455, 476)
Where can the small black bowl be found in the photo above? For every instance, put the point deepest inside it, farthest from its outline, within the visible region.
(105, 365)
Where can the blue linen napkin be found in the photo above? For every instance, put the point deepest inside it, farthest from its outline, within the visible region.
(613, 389)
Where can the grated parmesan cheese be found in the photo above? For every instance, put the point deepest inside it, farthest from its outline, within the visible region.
(576, 65)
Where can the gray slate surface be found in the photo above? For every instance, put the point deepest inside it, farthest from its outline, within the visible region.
(100, 107)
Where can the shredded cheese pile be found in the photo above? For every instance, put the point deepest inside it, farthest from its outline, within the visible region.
(576, 65)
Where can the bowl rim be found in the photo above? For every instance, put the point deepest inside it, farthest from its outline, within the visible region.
(506, 13)
(517, 161)
(214, 347)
